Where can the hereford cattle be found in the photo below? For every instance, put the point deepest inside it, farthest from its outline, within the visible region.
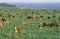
(41, 16)
(53, 16)
(11, 16)
(1, 16)
(29, 17)
(25, 23)
(4, 20)
(46, 24)
(48, 17)
(50, 24)
(17, 29)
(54, 24)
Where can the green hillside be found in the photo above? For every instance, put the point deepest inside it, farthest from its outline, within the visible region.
(13, 17)
(6, 5)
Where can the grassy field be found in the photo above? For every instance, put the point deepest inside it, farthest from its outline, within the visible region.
(31, 31)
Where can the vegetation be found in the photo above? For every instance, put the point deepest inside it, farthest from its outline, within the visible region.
(6, 5)
(29, 21)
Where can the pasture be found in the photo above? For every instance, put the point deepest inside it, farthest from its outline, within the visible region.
(29, 20)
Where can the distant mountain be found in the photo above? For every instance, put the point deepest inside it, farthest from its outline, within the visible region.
(6, 5)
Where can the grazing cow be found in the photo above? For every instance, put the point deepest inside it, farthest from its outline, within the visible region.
(17, 29)
(54, 24)
(54, 16)
(50, 24)
(11, 16)
(25, 23)
(41, 16)
(1, 16)
(46, 24)
(48, 17)
(4, 20)
(29, 17)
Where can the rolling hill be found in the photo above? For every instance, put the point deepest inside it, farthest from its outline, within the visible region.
(6, 5)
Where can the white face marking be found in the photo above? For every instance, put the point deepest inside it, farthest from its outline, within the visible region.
(40, 27)
(16, 29)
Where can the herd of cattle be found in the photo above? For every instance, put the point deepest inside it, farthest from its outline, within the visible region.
(25, 23)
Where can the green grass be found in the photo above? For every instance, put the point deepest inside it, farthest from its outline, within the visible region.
(29, 32)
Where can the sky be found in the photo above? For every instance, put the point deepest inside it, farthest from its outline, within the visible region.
(30, 1)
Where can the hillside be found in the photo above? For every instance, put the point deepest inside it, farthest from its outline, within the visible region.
(6, 5)
(17, 23)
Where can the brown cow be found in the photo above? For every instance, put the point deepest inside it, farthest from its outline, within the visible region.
(11, 16)
(41, 16)
(48, 17)
(51, 24)
(29, 17)
(46, 24)
(54, 16)
(1, 16)
(25, 23)
(17, 29)
(54, 24)
(4, 21)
